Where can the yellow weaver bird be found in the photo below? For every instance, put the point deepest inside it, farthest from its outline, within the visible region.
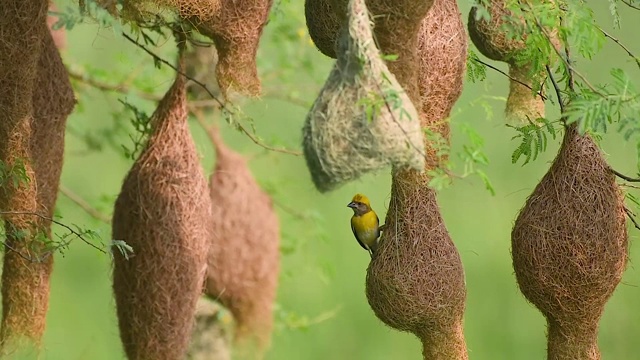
(365, 223)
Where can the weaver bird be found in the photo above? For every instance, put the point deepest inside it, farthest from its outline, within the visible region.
(365, 223)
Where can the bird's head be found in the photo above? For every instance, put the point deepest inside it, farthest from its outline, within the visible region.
(360, 204)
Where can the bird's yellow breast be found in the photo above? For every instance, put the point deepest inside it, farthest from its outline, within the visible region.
(366, 227)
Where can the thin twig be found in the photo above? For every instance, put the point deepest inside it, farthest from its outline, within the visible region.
(566, 59)
(161, 60)
(624, 177)
(556, 88)
(539, 93)
(632, 218)
(200, 118)
(84, 205)
(615, 40)
(70, 229)
(629, 4)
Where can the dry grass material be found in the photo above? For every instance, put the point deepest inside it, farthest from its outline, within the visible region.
(236, 31)
(415, 281)
(24, 293)
(163, 212)
(443, 56)
(362, 119)
(323, 24)
(397, 24)
(491, 40)
(569, 246)
(244, 260)
(210, 339)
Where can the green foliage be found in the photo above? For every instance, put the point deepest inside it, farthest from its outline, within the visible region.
(533, 139)
(142, 127)
(14, 174)
(475, 70)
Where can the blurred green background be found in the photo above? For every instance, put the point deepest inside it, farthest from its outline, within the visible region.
(322, 309)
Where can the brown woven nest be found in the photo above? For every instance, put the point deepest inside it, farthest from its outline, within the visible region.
(569, 246)
(163, 212)
(26, 282)
(397, 24)
(443, 58)
(25, 276)
(415, 281)
(244, 260)
(236, 31)
(323, 24)
(362, 119)
(490, 38)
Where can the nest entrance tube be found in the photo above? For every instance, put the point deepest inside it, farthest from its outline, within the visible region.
(362, 120)
(569, 246)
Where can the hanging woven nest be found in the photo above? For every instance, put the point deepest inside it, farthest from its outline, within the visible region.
(244, 261)
(362, 120)
(162, 212)
(569, 246)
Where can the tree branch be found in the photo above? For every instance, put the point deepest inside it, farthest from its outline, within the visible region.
(615, 40)
(200, 118)
(84, 205)
(623, 176)
(542, 96)
(629, 4)
(556, 88)
(632, 218)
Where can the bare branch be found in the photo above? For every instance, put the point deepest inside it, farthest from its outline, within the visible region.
(556, 88)
(200, 118)
(84, 205)
(624, 177)
(161, 60)
(629, 4)
(542, 96)
(615, 40)
(632, 218)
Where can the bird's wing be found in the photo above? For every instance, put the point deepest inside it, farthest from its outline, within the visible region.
(357, 238)
(377, 226)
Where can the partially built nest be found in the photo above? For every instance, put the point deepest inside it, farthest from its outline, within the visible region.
(25, 286)
(244, 260)
(323, 24)
(235, 30)
(415, 281)
(443, 58)
(362, 119)
(162, 212)
(569, 246)
(491, 39)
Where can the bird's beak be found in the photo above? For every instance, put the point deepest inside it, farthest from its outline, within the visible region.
(351, 205)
